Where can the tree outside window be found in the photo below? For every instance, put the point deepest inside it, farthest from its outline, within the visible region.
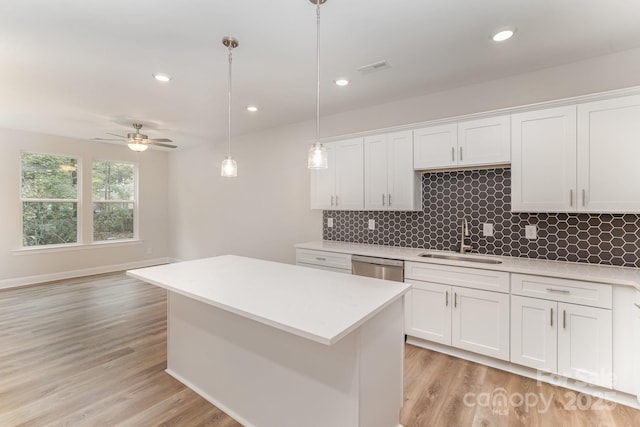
(49, 196)
(114, 200)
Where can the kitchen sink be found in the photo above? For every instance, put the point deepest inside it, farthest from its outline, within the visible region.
(453, 257)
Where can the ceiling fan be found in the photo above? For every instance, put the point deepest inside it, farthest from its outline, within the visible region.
(138, 141)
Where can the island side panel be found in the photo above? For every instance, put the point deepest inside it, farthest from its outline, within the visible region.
(260, 375)
(381, 364)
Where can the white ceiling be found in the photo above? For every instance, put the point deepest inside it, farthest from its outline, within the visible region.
(81, 68)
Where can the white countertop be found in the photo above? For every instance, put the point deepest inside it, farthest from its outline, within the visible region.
(322, 306)
(626, 276)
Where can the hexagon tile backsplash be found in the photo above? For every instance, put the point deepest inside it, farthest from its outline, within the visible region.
(484, 196)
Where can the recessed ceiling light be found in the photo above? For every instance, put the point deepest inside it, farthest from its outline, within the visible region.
(161, 77)
(342, 82)
(252, 108)
(503, 35)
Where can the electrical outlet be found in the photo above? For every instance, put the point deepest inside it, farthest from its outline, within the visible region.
(329, 222)
(531, 232)
(372, 224)
(487, 229)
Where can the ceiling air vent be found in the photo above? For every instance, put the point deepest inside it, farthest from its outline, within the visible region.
(372, 68)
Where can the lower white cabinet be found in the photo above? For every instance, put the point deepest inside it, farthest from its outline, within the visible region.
(470, 319)
(636, 339)
(323, 260)
(558, 333)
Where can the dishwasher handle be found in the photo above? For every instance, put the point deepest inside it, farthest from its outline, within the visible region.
(378, 261)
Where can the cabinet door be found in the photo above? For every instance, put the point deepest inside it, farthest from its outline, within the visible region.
(323, 182)
(608, 155)
(637, 343)
(428, 312)
(349, 160)
(534, 334)
(585, 344)
(435, 147)
(543, 160)
(480, 322)
(403, 183)
(484, 141)
(375, 172)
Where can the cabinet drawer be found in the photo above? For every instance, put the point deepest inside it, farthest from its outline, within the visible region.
(490, 280)
(564, 290)
(325, 259)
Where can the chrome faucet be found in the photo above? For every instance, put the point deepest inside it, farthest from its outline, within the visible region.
(464, 231)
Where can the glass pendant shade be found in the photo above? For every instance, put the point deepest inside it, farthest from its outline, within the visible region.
(137, 146)
(229, 168)
(318, 158)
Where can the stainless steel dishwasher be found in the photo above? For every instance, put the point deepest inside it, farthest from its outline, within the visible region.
(380, 268)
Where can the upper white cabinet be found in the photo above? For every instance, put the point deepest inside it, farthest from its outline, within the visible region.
(341, 185)
(390, 182)
(609, 155)
(578, 158)
(543, 165)
(471, 143)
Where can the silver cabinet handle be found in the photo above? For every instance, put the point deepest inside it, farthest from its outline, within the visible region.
(636, 304)
(551, 316)
(460, 156)
(453, 154)
(564, 319)
(383, 199)
(571, 198)
(331, 200)
(336, 200)
(446, 299)
(558, 291)
(584, 198)
(455, 300)
(320, 258)
(389, 199)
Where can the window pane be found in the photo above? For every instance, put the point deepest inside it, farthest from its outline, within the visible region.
(49, 223)
(49, 177)
(113, 181)
(112, 221)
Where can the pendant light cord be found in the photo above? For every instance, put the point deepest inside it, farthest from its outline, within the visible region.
(229, 139)
(318, 71)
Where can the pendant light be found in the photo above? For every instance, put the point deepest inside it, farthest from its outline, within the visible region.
(317, 152)
(229, 167)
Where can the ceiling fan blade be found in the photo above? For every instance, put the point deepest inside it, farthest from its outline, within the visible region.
(106, 139)
(159, 144)
(159, 140)
(115, 134)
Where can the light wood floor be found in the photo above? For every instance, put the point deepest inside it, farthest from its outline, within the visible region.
(91, 352)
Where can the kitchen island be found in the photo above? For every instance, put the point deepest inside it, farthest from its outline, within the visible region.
(280, 345)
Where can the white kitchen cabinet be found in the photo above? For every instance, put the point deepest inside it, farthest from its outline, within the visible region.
(608, 155)
(435, 147)
(584, 344)
(625, 350)
(534, 336)
(341, 186)
(428, 311)
(477, 142)
(578, 158)
(484, 141)
(323, 260)
(557, 332)
(480, 322)
(636, 339)
(470, 318)
(390, 182)
(543, 163)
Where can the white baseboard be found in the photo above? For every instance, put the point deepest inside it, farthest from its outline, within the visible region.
(41, 278)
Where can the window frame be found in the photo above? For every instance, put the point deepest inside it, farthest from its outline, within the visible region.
(77, 200)
(135, 202)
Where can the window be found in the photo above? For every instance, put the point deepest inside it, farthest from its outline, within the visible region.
(114, 200)
(49, 196)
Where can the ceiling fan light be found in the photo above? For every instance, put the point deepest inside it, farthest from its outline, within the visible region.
(137, 146)
(318, 158)
(229, 168)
